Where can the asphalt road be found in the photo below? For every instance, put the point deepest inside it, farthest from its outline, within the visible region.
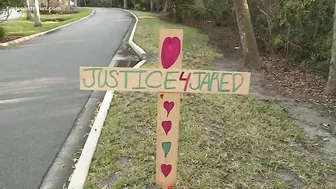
(39, 92)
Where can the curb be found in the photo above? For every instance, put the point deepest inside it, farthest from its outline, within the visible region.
(22, 39)
(82, 167)
(137, 49)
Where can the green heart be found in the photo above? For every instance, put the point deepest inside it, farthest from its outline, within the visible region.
(166, 147)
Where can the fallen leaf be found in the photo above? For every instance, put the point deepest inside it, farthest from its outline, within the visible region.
(75, 160)
(105, 187)
(325, 125)
(107, 160)
(92, 174)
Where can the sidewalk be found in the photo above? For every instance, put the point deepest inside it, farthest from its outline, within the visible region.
(13, 16)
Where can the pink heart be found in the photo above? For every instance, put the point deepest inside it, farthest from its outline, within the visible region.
(165, 169)
(168, 106)
(166, 126)
(171, 49)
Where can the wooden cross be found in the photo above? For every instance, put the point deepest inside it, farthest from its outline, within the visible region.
(169, 81)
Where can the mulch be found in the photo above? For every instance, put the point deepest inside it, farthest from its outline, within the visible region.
(9, 38)
(299, 83)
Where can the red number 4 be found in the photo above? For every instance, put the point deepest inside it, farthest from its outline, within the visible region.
(187, 79)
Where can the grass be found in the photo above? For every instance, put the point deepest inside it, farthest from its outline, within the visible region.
(226, 141)
(24, 27)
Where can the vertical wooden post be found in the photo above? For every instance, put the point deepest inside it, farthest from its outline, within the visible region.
(168, 108)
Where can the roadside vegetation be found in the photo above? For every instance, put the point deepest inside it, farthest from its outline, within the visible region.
(225, 141)
(24, 27)
(38, 16)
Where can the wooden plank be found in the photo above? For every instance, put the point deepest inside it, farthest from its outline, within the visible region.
(168, 108)
(163, 80)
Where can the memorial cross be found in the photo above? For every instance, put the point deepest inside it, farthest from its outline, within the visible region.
(169, 81)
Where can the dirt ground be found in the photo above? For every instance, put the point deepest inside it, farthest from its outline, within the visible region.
(296, 90)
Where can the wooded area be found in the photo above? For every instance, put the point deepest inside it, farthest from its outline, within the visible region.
(300, 31)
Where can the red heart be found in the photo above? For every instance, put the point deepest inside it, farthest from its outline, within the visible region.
(168, 106)
(171, 49)
(166, 126)
(166, 169)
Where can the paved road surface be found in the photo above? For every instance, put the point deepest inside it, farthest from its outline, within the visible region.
(39, 92)
(13, 16)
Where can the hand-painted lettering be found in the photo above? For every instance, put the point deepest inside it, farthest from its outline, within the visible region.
(114, 78)
(234, 88)
(214, 77)
(93, 76)
(149, 75)
(167, 80)
(199, 80)
(223, 82)
(161, 80)
(126, 76)
(139, 81)
(105, 83)
(187, 79)
(206, 81)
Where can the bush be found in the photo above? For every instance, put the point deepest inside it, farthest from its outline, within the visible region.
(2, 33)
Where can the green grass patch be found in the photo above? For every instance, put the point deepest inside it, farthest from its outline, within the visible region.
(24, 27)
(226, 141)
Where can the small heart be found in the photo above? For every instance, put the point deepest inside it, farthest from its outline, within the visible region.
(161, 96)
(170, 52)
(166, 169)
(166, 126)
(166, 147)
(168, 106)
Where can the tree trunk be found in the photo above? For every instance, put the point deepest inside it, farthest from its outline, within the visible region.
(165, 9)
(111, 2)
(75, 2)
(29, 16)
(158, 5)
(247, 37)
(177, 15)
(125, 4)
(69, 6)
(37, 14)
(331, 85)
(151, 5)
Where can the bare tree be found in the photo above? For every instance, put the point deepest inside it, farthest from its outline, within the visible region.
(125, 4)
(29, 16)
(151, 5)
(167, 6)
(69, 6)
(247, 36)
(158, 5)
(37, 14)
(331, 85)
(165, 9)
(75, 4)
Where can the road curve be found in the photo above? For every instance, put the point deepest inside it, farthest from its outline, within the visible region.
(39, 92)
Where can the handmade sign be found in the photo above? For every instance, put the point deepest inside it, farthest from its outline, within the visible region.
(158, 80)
(169, 81)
